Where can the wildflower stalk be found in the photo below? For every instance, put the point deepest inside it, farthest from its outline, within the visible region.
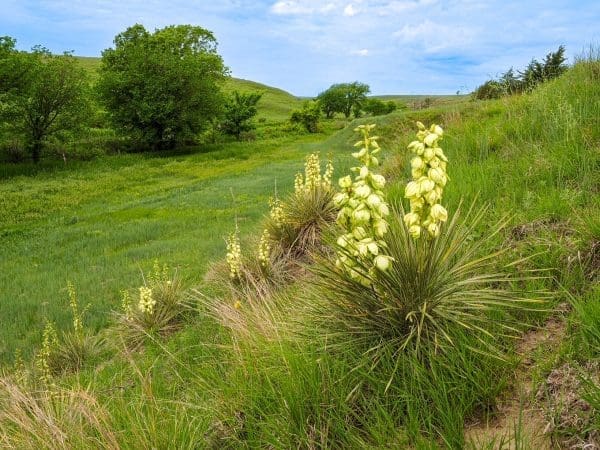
(363, 209)
(426, 188)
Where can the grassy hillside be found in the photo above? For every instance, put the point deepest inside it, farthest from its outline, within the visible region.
(275, 104)
(266, 374)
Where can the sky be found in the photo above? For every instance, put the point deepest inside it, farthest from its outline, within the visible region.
(304, 46)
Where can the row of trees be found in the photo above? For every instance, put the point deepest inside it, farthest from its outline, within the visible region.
(158, 89)
(536, 72)
(344, 98)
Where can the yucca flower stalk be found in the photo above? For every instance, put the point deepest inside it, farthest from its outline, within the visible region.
(234, 255)
(363, 209)
(429, 178)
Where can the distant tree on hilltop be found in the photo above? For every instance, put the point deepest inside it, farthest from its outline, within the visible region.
(343, 98)
(535, 73)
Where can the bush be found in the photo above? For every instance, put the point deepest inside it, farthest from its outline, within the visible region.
(13, 151)
(308, 116)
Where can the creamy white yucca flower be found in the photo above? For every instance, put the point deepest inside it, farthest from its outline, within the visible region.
(234, 255)
(362, 214)
(428, 169)
(146, 302)
(264, 249)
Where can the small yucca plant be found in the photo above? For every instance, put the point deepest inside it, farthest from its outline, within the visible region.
(296, 224)
(159, 310)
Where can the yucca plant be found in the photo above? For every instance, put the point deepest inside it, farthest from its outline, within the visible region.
(160, 309)
(296, 224)
(431, 287)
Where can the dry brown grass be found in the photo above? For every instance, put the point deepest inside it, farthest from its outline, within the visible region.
(52, 419)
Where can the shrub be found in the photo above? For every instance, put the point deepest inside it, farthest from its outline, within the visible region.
(308, 116)
(13, 151)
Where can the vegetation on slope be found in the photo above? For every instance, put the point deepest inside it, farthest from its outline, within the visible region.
(261, 375)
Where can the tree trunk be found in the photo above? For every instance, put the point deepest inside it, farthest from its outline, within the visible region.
(36, 150)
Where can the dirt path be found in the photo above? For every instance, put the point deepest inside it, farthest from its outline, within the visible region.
(519, 422)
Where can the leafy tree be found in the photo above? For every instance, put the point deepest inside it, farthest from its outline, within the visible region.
(535, 73)
(239, 110)
(162, 87)
(343, 98)
(41, 93)
(308, 116)
(332, 100)
(377, 107)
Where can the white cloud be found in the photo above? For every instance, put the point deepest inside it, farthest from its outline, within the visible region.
(434, 36)
(349, 10)
(361, 52)
(290, 8)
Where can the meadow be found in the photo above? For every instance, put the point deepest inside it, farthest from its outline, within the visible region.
(266, 377)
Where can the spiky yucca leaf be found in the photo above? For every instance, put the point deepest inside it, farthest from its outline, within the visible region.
(431, 287)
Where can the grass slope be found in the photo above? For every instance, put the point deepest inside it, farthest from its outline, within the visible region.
(533, 156)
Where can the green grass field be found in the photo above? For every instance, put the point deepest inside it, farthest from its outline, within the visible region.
(274, 382)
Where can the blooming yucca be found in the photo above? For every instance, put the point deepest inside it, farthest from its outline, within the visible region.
(362, 214)
(426, 188)
(264, 249)
(312, 178)
(147, 302)
(234, 255)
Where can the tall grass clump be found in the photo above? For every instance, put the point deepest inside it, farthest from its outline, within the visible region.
(70, 349)
(53, 419)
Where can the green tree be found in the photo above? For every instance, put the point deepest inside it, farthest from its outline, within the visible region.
(332, 100)
(164, 86)
(239, 110)
(308, 116)
(343, 98)
(377, 107)
(41, 94)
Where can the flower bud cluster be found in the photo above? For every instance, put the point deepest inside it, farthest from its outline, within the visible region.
(362, 214)
(77, 319)
(147, 302)
(264, 249)
(49, 345)
(234, 255)
(276, 213)
(126, 305)
(312, 178)
(426, 188)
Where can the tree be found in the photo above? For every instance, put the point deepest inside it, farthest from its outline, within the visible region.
(343, 98)
(43, 93)
(308, 116)
(164, 86)
(377, 107)
(332, 100)
(239, 110)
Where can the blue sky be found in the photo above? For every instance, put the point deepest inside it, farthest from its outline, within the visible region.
(304, 46)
